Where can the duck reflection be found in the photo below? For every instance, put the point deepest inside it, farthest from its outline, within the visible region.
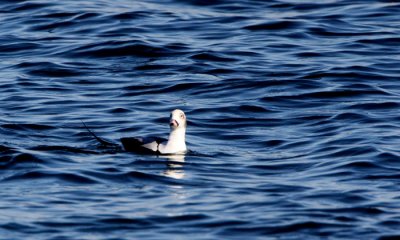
(175, 166)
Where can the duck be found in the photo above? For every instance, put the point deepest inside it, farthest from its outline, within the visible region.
(175, 144)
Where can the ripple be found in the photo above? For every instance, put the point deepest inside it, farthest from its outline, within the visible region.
(375, 106)
(381, 41)
(18, 161)
(212, 57)
(274, 26)
(65, 177)
(29, 6)
(47, 69)
(121, 49)
(28, 126)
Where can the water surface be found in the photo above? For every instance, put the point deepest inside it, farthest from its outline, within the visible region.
(292, 107)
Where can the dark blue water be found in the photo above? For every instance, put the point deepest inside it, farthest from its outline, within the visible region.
(293, 109)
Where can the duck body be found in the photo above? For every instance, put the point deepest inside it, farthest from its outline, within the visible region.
(175, 144)
(149, 145)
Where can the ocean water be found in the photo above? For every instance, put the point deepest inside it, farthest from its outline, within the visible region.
(293, 109)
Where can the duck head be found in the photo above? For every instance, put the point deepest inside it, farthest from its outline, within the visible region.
(177, 119)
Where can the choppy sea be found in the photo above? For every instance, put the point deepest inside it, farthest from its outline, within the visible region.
(293, 110)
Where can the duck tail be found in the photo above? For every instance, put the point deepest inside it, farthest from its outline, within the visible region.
(102, 141)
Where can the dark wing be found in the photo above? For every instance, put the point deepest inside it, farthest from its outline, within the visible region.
(147, 140)
(142, 145)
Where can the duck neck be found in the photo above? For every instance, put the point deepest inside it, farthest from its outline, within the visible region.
(177, 138)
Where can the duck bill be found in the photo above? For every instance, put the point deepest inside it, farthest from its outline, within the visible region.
(173, 123)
